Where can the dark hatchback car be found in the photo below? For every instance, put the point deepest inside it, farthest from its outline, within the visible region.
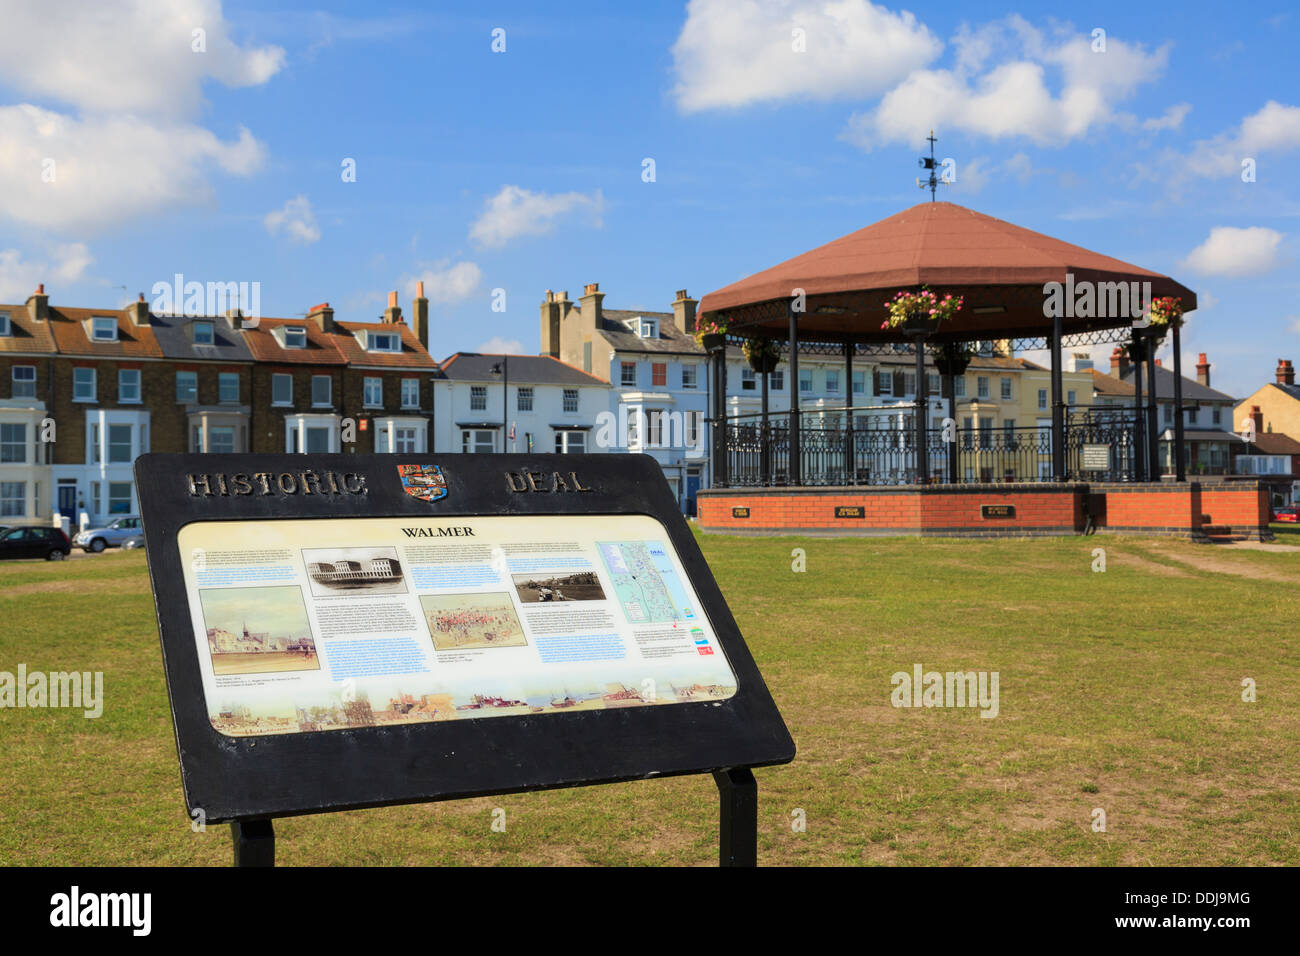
(48, 543)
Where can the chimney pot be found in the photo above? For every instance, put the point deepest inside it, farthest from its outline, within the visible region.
(38, 304)
(684, 312)
(1203, 370)
(1119, 362)
(420, 315)
(323, 316)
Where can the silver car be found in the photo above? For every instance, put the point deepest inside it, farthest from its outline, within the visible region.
(112, 535)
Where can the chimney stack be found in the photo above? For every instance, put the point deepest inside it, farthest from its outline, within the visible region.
(392, 314)
(1203, 370)
(1119, 362)
(235, 317)
(684, 312)
(138, 311)
(420, 315)
(592, 313)
(1258, 418)
(1285, 372)
(38, 304)
(323, 316)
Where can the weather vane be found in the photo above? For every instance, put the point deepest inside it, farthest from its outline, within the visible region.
(927, 162)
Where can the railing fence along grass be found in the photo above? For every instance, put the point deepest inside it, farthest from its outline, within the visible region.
(879, 449)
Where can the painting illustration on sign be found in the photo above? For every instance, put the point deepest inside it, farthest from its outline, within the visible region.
(425, 482)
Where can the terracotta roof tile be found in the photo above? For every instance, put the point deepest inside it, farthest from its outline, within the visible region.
(413, 354)
(26, 336)
(321, 349)
(69, 326)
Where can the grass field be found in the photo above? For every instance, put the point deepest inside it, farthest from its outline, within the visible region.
(1119, 690)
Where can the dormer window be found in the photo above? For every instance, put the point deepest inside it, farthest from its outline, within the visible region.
(295, 337)
(203, 333)
(649, 328)
(383, 342)
(103, 329)
(5, 328)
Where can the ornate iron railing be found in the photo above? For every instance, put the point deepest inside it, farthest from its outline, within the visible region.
(877, 451)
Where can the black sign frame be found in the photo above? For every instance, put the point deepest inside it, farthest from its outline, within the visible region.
(247, 781)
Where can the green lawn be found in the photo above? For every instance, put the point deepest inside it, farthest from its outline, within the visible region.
(1118, 690)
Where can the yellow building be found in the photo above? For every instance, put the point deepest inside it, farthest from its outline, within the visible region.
(1278, 402)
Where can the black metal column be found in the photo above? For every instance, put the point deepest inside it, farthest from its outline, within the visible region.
(950, 386)
(796, 452)
(1058, 403)
(1153, 424)
(922, 422)
(254, 843)
(765, 439)
(1180, 464)
(850, 459)
(738, 817)
(1139, 413)
(719, 360)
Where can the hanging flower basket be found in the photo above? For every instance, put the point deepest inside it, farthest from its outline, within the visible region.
(711, 335)
(953, 359)
(762, 354)
(1165, 313)
(919, 312)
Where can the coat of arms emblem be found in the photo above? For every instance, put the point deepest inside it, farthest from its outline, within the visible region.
(425, 482)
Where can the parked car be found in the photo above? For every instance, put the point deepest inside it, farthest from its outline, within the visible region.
(1290, 513)
(110, 536)
(48, 543)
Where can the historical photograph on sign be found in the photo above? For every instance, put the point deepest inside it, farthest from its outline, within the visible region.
(469, 621)
(335, 571)
(575, 586)
(257, 630)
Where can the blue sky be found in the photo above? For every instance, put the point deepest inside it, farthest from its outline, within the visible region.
(523, 170)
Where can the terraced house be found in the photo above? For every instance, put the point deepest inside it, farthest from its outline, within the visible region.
(658, 376)
(85, 391)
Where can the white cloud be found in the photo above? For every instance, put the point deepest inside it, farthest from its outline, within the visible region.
(1013, 98)
(1230, 251)
(973, 176)
(128, 146)
(1274, 128)
(65, 263)
(1293, 323)
(515, 212)
(445, 282)
(732, 53)
(295, 220)
(1172, 119)
(125, 55)
(499, 346)
(70, 174)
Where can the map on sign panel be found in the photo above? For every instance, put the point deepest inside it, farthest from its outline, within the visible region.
(645, 582)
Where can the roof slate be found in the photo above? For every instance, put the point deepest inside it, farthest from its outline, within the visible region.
(521, 369)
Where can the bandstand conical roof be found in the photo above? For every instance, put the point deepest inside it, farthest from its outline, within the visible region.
(998, 267)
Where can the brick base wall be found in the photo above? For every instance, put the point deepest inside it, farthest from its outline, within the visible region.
(1188, 510)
